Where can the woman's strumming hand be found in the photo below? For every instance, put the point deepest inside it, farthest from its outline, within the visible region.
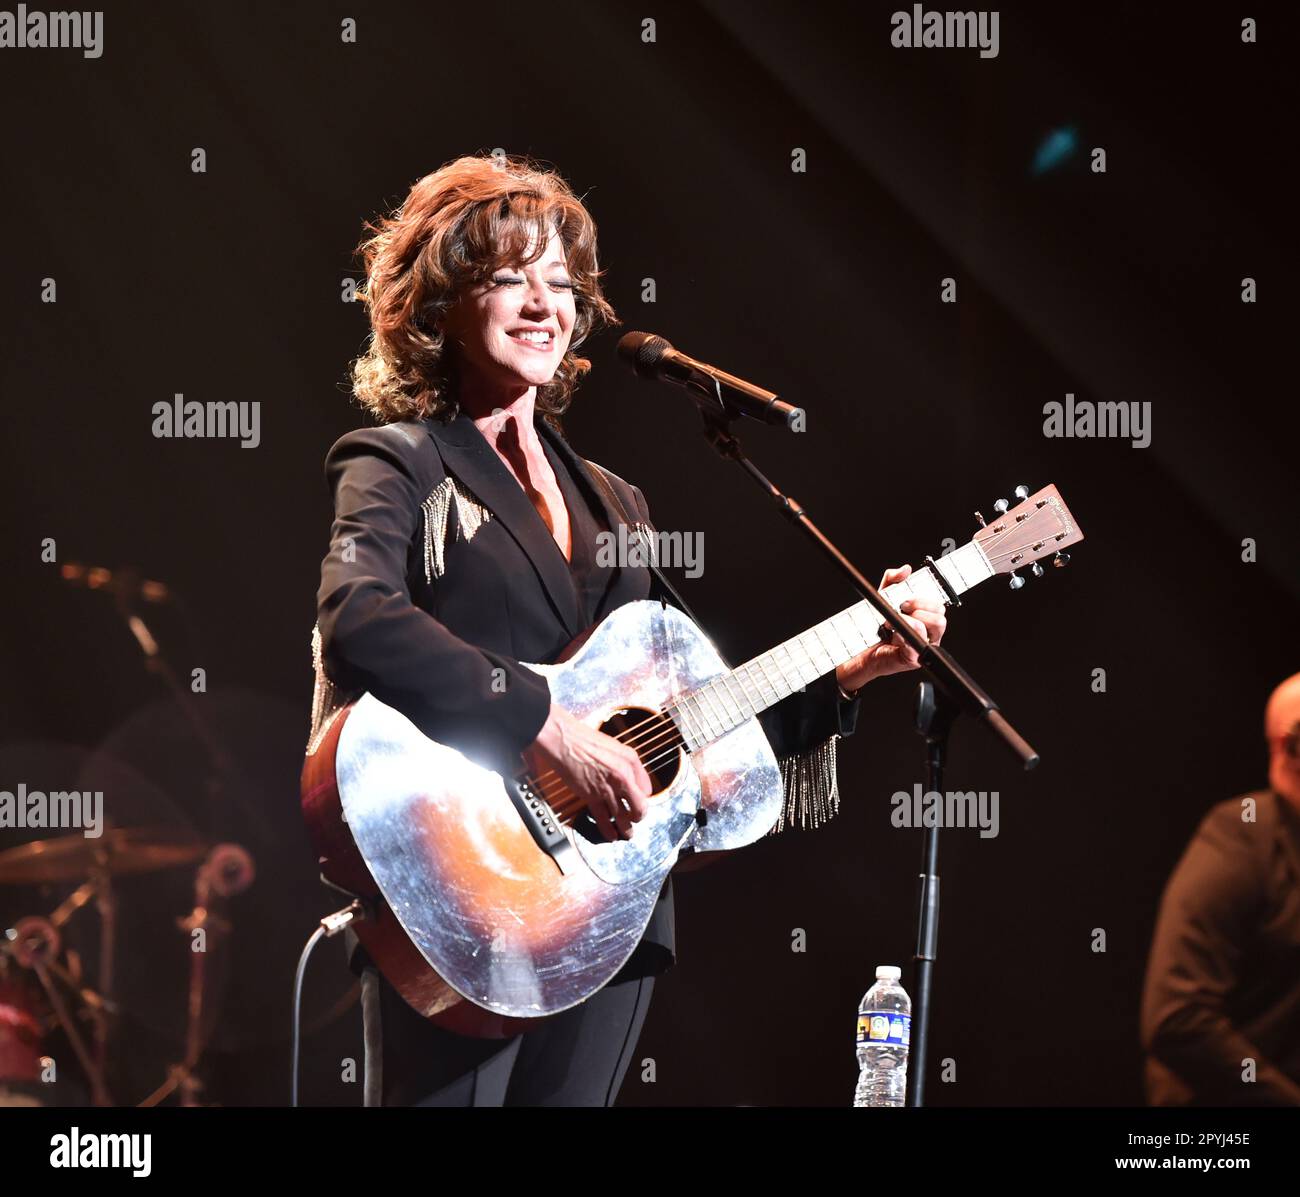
(604, 772)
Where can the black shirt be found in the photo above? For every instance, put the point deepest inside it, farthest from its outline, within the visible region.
(1223, 981)
(590, 580)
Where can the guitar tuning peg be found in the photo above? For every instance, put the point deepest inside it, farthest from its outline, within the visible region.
(979, 519)
(1001, 506)
(1036, 570)
(1061, 559)
(1022, 492)
(1015, 581)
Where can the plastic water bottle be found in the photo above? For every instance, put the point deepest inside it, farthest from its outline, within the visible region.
(884, 1034)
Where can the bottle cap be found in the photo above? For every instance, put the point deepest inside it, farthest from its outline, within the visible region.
(888, 972)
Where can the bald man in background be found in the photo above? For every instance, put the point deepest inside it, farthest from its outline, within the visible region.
(1223, 980)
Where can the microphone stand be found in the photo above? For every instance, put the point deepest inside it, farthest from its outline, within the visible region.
(935, 715)
(950, 691)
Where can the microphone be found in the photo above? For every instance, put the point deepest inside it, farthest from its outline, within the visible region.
(654, 357)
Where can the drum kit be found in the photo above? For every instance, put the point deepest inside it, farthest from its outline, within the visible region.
(121, 980)
(43, 988)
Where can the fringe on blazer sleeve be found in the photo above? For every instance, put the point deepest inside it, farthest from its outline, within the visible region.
(371, 637)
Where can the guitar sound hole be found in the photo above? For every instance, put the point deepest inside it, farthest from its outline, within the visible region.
(654, 741)
(655, 738)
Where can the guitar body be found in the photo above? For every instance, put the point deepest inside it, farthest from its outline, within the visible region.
(482, 927)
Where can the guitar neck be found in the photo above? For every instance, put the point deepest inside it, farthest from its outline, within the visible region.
(730, 699)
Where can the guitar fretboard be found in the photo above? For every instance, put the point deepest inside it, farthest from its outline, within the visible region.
(730, 699)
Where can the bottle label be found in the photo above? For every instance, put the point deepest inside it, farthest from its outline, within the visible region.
(885, 1027)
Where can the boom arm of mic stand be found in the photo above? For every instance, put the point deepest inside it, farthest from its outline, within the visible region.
(935, 661)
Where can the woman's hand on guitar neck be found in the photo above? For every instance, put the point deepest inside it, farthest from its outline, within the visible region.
(927, 621)
(602, 771)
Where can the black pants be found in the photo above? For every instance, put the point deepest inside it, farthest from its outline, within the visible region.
(577, 1058)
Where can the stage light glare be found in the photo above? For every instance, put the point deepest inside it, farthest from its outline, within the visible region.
(1055, 149)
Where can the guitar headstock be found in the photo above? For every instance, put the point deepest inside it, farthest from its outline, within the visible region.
(1039, 526)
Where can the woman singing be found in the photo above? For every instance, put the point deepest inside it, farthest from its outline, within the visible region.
(465, 542)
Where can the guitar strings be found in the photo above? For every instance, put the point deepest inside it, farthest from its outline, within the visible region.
(663, 734)
(660, 733)
(652, 735)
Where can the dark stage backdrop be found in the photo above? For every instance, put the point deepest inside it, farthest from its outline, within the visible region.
(781, 191)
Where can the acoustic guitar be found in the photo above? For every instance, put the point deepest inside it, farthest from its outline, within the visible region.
(494, 899)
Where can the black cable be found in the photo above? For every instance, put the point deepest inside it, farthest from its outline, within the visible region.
(330, 925)
(316, 937)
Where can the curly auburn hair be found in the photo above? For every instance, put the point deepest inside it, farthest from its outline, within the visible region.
(456, 228)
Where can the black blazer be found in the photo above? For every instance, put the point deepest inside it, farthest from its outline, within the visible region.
(435, 619)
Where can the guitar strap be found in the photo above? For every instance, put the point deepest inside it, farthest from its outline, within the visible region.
(599, 477)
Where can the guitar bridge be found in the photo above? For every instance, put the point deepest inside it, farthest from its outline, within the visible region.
(542, 824)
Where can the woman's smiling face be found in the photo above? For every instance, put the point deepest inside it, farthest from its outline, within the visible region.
(512, 331)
